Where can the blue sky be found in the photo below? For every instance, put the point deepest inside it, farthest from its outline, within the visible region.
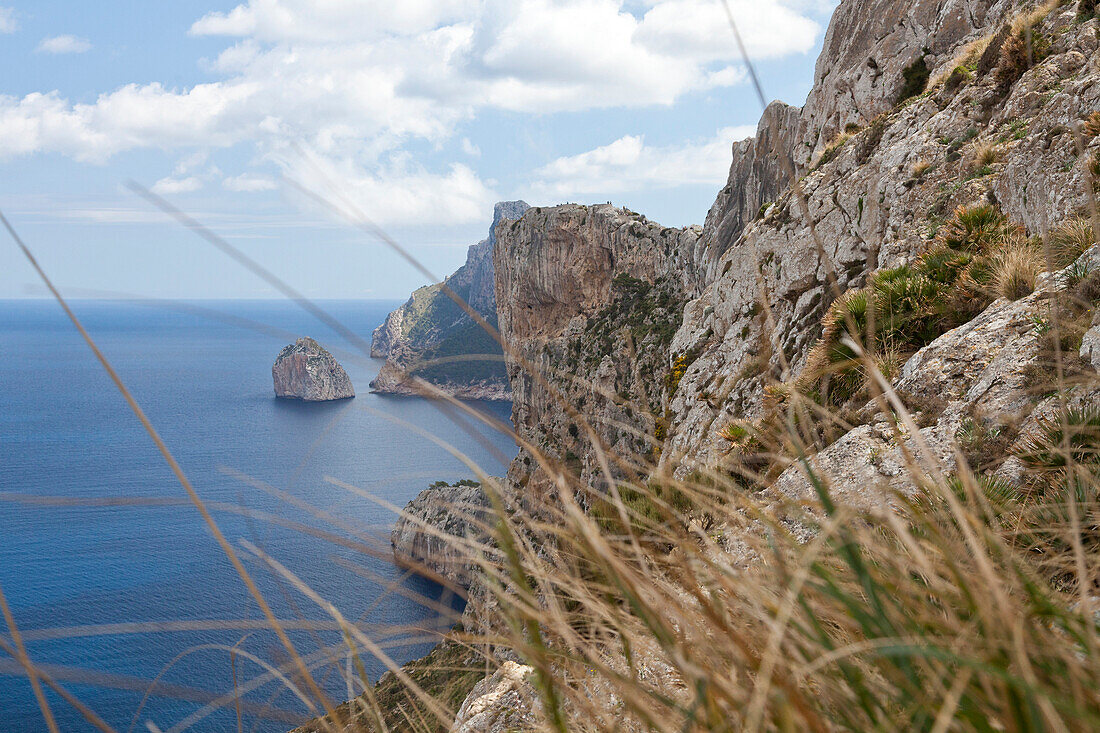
(423, 112)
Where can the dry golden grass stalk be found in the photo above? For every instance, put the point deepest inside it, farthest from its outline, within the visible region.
(1016, 267)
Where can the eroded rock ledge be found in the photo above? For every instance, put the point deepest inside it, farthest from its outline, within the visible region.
(427, 536)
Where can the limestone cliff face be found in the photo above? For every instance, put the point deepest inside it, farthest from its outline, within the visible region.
(305, 371)
(430, 326)
(760, 171)
(588, 299)
(875, 202)
(867, 49)
(427, 536)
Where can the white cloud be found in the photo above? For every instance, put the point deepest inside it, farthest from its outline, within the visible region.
(628, 164)
(400, 192)
(8, 23)
(64, 44)
(359, 82)
(249, 183)
(332, 20)
(470, 149)
(177, 185)
(769, 29)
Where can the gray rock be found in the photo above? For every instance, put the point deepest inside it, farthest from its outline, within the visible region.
(432, 324)
(304, 370)
(503, 702)
(1090, 345)
(566, 278)
(435, 531)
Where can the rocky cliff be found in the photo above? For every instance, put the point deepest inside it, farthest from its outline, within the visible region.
(304, 370)
(589, 298)
(928, 135)
(429, 336)
(440, 531)
(878, 195)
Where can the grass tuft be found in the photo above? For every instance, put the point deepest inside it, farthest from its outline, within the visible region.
(1016, 268)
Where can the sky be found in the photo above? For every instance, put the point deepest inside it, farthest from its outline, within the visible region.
(422, 113)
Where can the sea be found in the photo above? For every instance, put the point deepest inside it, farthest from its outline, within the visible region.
(118, 587)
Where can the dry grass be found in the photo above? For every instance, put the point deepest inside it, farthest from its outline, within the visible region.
(1016, 268)
(1069, 240)
(1092, 125)
(985, 155)
(920, 168)
(966, 59)
(833, 147)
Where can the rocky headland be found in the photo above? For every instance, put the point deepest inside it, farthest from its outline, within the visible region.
(441, 530)
(929, 137)
(305, 370)
(432, 338)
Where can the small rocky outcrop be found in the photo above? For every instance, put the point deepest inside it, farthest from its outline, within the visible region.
(428, 336)
(429, 535)
(501, 703)
(304, 370)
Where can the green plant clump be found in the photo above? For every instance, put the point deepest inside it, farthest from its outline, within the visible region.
(904, 308)
(915, 79)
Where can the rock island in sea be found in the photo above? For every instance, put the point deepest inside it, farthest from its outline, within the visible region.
(304, 370)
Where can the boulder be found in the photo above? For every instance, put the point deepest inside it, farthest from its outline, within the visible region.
(304, 370)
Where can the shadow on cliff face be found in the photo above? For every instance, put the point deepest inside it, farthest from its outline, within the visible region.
(888, 515)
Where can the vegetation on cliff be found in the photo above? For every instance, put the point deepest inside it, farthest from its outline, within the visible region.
(855, 484)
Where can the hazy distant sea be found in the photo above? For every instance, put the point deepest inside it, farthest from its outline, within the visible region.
(205, 382)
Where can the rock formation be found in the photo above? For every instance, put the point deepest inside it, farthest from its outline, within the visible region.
(659, 337)
(501, 703)
(304, 370)
(589, 298)
(432, 326)
(427, 535)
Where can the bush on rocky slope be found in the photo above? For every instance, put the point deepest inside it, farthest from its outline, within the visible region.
(978, 256)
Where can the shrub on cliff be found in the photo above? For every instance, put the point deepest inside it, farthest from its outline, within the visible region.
(914, 79)
(1070, 239)
(1022, 50)
(1016, 267)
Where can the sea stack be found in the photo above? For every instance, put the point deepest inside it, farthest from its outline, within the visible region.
(304, 370)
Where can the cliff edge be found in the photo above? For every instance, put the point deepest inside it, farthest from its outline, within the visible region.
(431, 337)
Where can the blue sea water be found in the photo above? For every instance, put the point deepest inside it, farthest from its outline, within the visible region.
(70, 562)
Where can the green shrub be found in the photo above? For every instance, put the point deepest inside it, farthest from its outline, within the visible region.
(975, 228)
(909, 306)
(959, 76)
(1071, 438)
(1087, 9)
(943, 264)
(906, 310)
(1001, 495)
(914, 79)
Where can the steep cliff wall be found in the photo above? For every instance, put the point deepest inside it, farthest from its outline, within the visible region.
(876, 200)
(874, 196)
(589, 298)
(430, 326)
